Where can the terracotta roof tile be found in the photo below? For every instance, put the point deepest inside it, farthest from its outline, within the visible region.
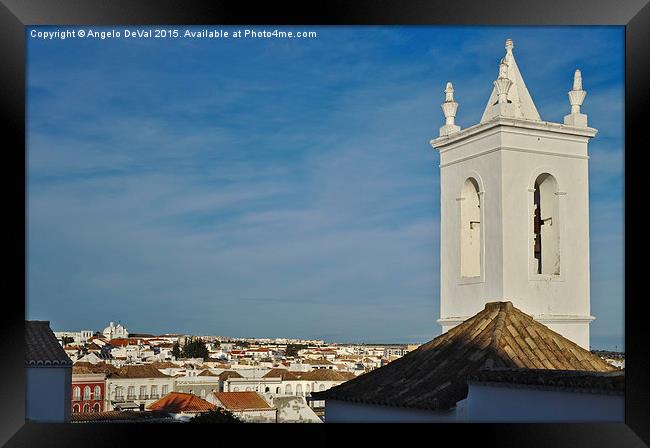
(281, 373)
(164, 365)
(87, 367)
(229, 374)
(326, 375)
(177, 402)
(138, 371)
(42, 349)
(434, 376)
(237, 401)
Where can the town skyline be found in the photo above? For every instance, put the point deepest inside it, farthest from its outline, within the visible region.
(170, 211)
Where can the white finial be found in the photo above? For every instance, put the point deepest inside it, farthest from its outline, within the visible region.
(509, 45)
(577, 80)
(449, 108)
(449, 93)
(576, 98)
(503, 83)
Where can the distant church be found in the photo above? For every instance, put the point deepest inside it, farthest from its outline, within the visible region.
(515, 209)
(514, 284)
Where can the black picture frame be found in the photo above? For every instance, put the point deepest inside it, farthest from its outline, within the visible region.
(15, 15)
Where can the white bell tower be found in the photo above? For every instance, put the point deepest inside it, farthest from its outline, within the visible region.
(515, 208)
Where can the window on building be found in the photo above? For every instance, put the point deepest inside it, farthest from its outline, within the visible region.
(299, 389)
(119, 393)
(75, 408)
(470, 230)
(143, 392)
(287, 389)
(165, 389)
(76, 393)
(277, 390)
(202, 393)
(86, 407)
(98, 393)
(321, 387)
(96, 407)
(131, 393)
(87, 393)
(267, 389)
(154, 391)
(546, 226)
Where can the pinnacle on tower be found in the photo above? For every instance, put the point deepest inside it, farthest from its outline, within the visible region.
(449, 108)
(576, 98)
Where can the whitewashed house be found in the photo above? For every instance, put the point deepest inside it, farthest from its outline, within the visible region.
(135, 387)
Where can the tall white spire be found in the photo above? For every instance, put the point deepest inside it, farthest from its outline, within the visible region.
(518, 103)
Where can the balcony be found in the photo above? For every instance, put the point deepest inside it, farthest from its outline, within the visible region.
(154, 396)
(130, 397)
(144, 397)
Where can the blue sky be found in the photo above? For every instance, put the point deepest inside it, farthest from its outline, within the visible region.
(283, 188)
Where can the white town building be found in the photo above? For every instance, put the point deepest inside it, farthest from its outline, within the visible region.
(115, 331)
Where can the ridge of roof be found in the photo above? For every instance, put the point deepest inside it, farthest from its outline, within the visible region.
(434, 376)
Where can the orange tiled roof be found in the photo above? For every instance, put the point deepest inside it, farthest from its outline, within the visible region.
(239, 401)
(177, 402)
(434, 376)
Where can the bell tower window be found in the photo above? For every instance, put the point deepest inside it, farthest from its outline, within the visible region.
(546, 226)
(470, 230)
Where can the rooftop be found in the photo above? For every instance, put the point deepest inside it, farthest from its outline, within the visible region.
(138, 371)
(281, 373)
(434, 376)
(239, 401)
(177, 402)
(42, 349)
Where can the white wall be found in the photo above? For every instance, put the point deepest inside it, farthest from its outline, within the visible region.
(486, 403)
(48, 393)
(346, 412)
